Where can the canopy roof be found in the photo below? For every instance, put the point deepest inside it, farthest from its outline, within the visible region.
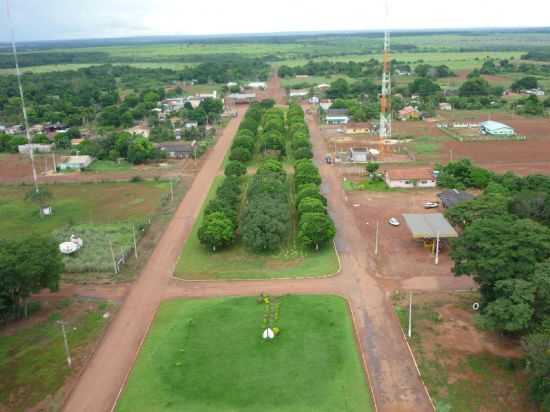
(428, 226)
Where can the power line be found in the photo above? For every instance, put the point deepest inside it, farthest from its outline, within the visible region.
(21, 95)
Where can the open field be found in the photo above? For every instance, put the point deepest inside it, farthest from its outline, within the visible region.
(464, 368)
(95, 203)
(197, 262)
(208, 355)
(312, 80)
(75, 66)
(32, 355)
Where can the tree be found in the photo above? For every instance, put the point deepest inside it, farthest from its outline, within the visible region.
(474, 87)
(311, 205)
(315, 229)
(338, 89)
(303, 153)
(308, 190)
(140, 150)
(217, 231)
(537, 348)
(62, 141)
(372, 168)
(240, 154)
(424, 87)
(525, 83)
(27, 266)
(265, 223)
(235, 168)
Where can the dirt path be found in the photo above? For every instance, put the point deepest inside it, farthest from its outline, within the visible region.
(100, 383)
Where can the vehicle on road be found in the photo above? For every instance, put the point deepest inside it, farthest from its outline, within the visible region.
(328, 159)
(431, 205)
(394, 222)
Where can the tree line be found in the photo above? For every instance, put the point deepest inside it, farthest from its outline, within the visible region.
(504, 246)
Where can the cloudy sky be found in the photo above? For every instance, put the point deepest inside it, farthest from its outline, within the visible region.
(68, 19)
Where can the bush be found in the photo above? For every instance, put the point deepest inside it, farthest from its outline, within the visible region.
(240, 154)
(311, 205)
(217, 231)
(307, 191)
(303, 153)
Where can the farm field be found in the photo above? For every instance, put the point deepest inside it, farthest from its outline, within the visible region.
(464, 368)
(208, 355)
(197, 262)
(75, 66)
(32, 355)
(93, 203)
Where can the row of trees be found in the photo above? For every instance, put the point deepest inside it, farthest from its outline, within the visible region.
(505, 247)
(298, 133)
(221, 217)
(265, 221)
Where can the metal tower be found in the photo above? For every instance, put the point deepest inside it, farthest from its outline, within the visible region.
(385, 97)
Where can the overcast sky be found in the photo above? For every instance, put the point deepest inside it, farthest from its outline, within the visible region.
(68, 19)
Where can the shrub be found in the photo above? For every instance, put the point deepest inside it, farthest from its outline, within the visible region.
(235, 168)
(240, 154)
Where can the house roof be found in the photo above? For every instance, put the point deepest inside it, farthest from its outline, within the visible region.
(417, 173)
(429, 226)
(453, 197)
(79, 159)
(408, 110)
(359, 149)
(492, 125)
(337, 112)
(177, 147)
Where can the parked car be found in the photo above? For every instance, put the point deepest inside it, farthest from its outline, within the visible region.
(328, 159)
(431, 205)
(394, 222)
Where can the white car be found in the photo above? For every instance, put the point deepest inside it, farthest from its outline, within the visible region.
(394, 222)
(431, 205)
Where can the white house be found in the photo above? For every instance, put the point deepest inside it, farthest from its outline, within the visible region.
(211, 95)
(534, 92)
(410, 178)
(493, 128)
(76, 163)
(35, 147)
(298, 93)
(323, 86)
(337, 116)
(257, 85)
(446, 107)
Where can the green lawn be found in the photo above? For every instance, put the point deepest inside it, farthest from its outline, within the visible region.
(92, 203)
(208, 356)
(32, 359)
(368, 185)
(109, 166)
(236, 262)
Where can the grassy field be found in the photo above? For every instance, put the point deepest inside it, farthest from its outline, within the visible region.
(208, 356)
(368, 185)
(32, 357)
(465, 369)
(72, 66)
(236, 262)
(102, 166)
(93, 203)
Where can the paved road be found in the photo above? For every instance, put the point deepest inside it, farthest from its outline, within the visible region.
(98, 386)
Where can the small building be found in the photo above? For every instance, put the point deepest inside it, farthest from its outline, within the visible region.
(313, 100)
(257, 85)
(76, 163)
(493, 128)
(357, 128)
(302, 76)
(323, 86)
(325, 104)
(418, 177)
(451, 198)
(446, 107)
(534, 92)
(35, 147)
(298, 93)
(2, 128)
(76, 142)
(191, 125)
(13, 130)
(337, 116)
(211, 95)
(409, 113)
(359, 154)
(232, 84)
(178, 150)
(242, 98)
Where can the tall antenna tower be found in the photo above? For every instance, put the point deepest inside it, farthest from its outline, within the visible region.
(21, 95)
(385, 97)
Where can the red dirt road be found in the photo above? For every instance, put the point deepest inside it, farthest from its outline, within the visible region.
(100, 383)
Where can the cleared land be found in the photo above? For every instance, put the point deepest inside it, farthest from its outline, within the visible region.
(94, 203)
(32, 355)
(197, 262)
(464, 368)
(208, 355)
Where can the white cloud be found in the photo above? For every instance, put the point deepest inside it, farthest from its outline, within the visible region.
(55, 19)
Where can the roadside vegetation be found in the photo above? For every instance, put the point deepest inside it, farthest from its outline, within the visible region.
(192, 338)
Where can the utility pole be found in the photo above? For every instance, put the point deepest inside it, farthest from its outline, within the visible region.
(437, 249)
(451, 155)
(54, 163)
(409, 334)
(135, 242)
(66, 342)
(376, 239)
(171, 191)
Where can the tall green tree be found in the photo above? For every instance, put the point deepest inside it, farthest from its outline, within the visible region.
(217, 231)
(315, 229)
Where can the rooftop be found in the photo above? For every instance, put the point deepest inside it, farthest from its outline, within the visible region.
(492, 125)
(337, 112)
(417, 173)
(429, 226)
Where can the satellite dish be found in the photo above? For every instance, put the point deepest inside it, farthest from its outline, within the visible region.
(475, 306)
(268, 334)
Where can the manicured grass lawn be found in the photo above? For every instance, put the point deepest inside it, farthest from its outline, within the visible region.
(32, 359)
(462, 380)
(236, 262)
(208, 356)
(96, 203)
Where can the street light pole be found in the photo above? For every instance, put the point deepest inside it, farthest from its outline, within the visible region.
(376, 239)
(410, 314)
(66, 342)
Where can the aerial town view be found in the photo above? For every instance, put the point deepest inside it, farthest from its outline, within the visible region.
(215, 208)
